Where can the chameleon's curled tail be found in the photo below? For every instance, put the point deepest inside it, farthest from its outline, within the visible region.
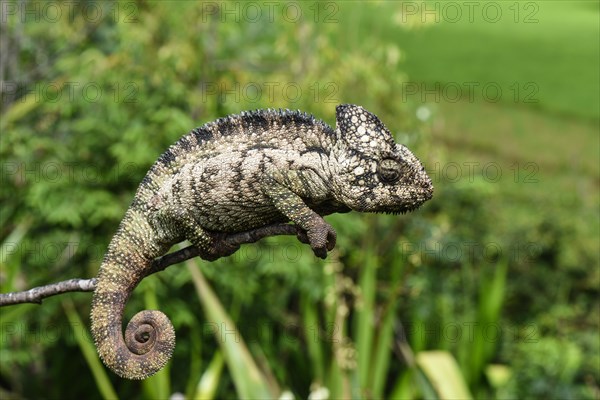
(149, 337)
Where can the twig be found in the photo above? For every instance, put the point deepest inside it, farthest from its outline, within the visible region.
(36, 295)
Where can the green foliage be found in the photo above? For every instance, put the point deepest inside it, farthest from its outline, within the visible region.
(549, 367)
(500, 276)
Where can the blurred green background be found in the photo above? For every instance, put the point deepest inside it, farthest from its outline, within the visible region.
(491, 290)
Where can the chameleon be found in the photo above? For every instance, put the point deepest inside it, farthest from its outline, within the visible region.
(235, 174)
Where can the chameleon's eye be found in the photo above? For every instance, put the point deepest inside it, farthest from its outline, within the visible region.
(389, 171)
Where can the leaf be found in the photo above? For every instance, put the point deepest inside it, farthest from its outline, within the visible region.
(443, 374)
(498, 375)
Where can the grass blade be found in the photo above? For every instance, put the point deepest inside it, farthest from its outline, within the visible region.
(313, 339)
(89, 353)
(365, 320)
(248, 379)
(207, 386)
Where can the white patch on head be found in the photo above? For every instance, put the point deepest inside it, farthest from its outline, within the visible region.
(366, 141)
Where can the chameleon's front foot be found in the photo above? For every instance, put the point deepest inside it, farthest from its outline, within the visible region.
(320, 236)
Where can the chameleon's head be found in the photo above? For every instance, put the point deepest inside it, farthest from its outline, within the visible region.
(372, 172)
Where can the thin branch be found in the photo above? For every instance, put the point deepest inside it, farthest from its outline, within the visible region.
(36, 295)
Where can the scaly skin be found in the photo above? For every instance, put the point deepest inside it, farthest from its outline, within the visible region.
(235, 174)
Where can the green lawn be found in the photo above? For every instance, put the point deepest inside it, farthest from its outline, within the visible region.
(549, 58)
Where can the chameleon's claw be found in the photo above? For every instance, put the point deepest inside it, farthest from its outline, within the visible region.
(331, 239)
(221, 247)
(321, 239)
(302, 235)
(320, 252)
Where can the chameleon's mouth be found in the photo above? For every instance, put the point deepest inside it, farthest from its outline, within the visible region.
(403, 203)
(408, 206)
(402, 210)
(396, 209)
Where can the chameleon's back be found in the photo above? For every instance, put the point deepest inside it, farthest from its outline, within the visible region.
(214, 173)
(236, 135)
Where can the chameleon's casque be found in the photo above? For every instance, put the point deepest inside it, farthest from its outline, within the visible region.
(233, 175)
